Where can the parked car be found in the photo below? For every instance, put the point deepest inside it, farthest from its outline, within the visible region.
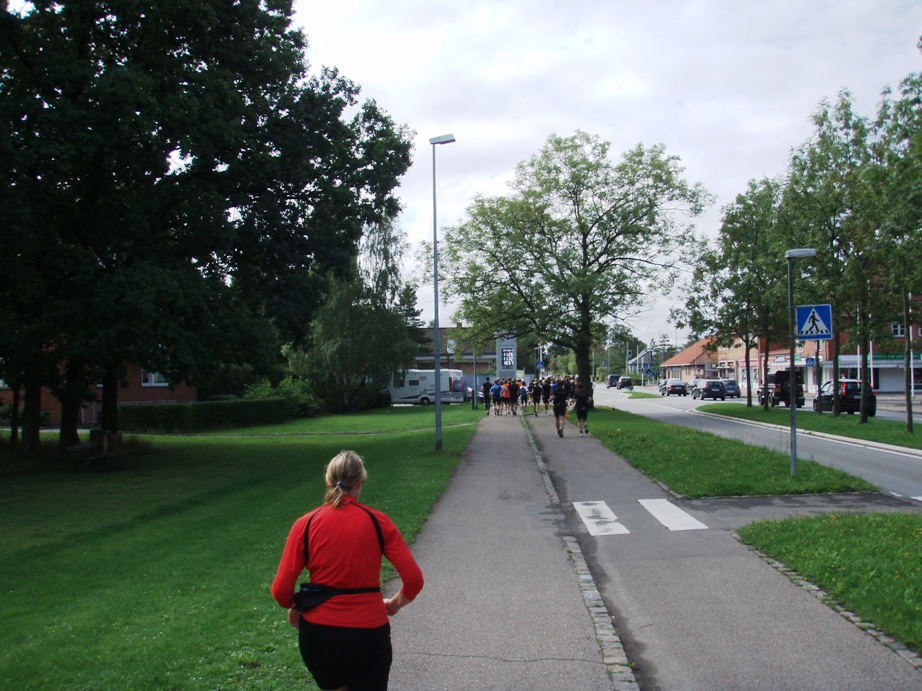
(732, 387)
(849, 397)
(626, 383)
(693, 384)
(673, 386)
(711, 388)
(778, 389)
(612, 380)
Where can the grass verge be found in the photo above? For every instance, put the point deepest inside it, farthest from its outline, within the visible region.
(157, 576)
(875, 429)
(870, 564)
(697, 464)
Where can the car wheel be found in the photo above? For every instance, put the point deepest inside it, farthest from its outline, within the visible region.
(723, 398)
(815, 406)
(424, 401)
(872, 413)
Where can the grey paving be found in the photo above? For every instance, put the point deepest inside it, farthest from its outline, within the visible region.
(502, 607)
(699, 610)
(518, 594)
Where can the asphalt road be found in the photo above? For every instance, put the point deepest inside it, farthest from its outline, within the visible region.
(892, 470)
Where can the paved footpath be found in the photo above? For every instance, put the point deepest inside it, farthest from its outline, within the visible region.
(503, 606)
(509, 602)
(696, 609)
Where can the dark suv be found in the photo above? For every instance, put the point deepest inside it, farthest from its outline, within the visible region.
(778, 389)
(849, 397)
(712, 388)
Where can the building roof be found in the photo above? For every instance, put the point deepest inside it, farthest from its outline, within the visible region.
(695, 354)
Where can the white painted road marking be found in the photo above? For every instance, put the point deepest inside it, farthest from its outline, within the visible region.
(599, 519)
(671, 515)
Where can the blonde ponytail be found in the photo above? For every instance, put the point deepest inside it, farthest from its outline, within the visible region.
(344, 472)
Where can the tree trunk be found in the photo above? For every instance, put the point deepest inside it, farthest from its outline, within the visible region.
(836, 352)
(108, 418)
(31, 418)
(907, 360)
(864, 373)
(72, 395)
(14, 419)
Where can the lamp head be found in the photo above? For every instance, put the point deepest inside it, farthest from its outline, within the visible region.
(800, 253)
(443, 139)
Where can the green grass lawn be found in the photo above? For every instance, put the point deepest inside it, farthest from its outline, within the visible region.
(697, 464)
(871, 564)
(157, 576)
(875, 429)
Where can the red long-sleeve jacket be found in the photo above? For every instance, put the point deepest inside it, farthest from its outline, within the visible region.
(344, 552)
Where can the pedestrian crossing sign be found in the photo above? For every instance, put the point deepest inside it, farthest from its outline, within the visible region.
(814, 322)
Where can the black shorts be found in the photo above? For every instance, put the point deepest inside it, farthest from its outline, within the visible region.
(560, 409)
(582, 413)
(338, 656)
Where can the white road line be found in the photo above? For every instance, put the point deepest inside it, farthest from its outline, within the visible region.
(671, 515)
(599, 519)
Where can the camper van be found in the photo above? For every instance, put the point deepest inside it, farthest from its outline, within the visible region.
(418, 386)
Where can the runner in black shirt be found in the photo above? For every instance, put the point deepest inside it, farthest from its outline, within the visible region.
(560, 407)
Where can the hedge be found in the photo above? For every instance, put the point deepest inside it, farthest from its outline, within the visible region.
(197, 417)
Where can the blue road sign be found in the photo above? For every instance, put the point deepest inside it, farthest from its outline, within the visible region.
(814, 322)
(539, 364)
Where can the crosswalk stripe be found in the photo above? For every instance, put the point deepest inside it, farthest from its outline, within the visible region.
(599, 519)
(671, 515)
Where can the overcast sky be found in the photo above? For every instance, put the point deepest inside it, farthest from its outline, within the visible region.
(727, 85)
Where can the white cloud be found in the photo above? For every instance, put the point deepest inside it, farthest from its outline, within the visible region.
(728, 86)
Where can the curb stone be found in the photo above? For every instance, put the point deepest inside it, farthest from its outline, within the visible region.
(910, 656)
(613, 655)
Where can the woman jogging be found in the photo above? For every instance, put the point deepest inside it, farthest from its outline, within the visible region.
(344, 634)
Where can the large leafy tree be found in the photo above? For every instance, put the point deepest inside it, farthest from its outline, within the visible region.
(579, 241)
(898, 174)
(176, 188)
(832, 204)
(361, 336)
(737, 289)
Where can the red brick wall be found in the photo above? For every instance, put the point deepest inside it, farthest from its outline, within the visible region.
(135, 392)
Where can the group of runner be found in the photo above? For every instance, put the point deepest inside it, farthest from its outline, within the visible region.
(505, 396)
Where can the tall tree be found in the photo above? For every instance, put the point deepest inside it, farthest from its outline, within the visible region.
(899, 177)
(595, 238)
(830, 205)
(180, 152)
(737, 287)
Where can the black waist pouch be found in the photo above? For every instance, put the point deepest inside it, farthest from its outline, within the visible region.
(313, 594)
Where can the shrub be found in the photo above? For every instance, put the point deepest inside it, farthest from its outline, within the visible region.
(207, 415)
(299, 393)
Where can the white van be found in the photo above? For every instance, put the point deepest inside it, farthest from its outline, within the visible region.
(418, 386)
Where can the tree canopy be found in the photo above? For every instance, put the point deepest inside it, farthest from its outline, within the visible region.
(579, 242)
(177, 189)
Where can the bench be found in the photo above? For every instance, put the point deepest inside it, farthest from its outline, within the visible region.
(85, 455)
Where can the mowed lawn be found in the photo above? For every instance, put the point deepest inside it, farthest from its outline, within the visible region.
(157, 576)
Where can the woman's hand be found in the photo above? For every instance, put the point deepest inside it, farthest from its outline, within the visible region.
(396, 603)
(294, 617)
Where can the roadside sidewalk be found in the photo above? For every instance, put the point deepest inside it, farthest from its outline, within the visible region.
(503, 606)
(696, 609)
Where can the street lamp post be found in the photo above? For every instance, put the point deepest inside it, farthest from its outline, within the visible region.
(791, 255)
(436, 339)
